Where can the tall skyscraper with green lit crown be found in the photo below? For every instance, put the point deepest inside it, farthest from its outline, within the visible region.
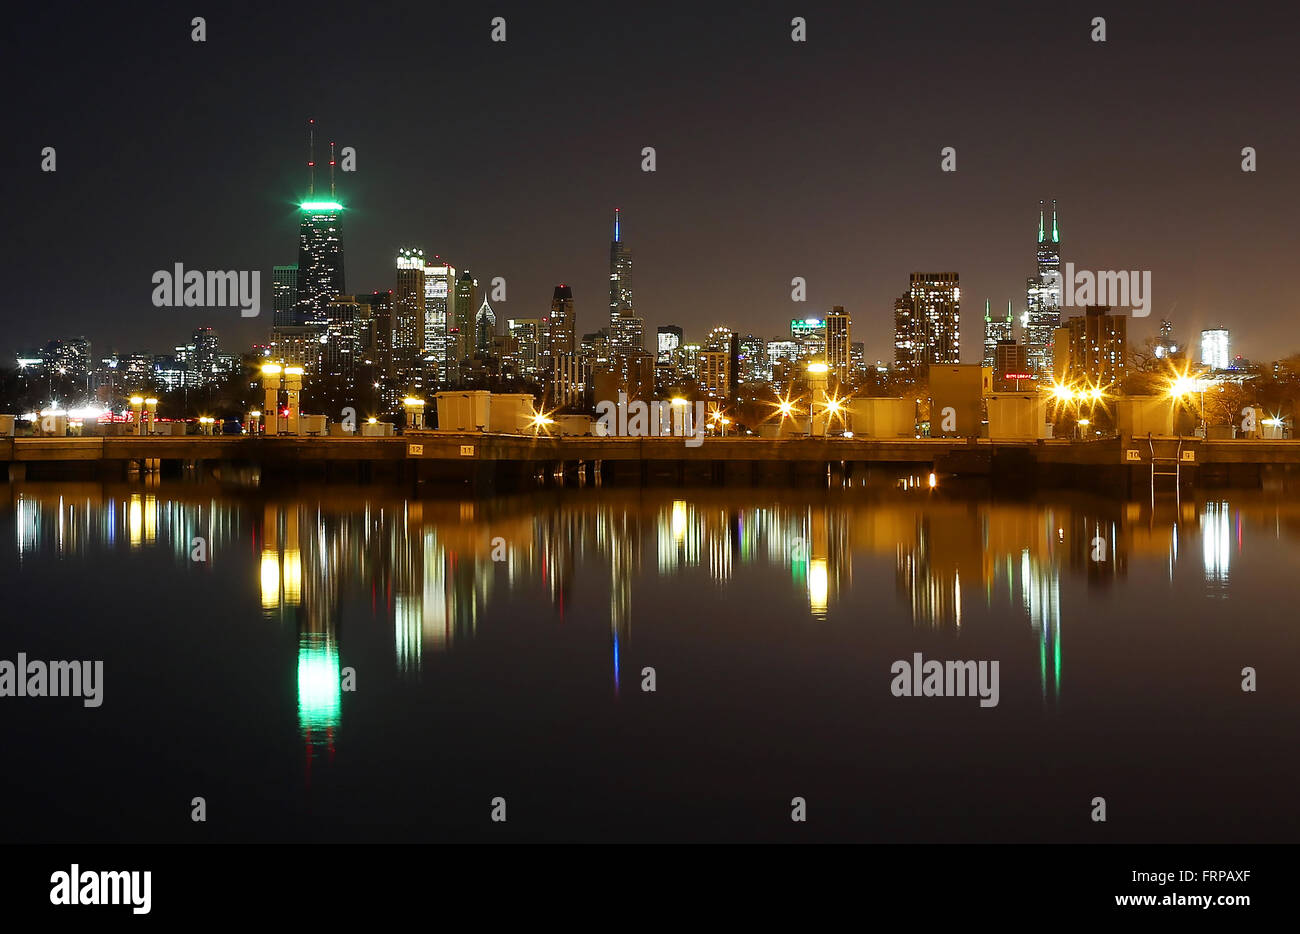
(1043, 294)
(320, 260)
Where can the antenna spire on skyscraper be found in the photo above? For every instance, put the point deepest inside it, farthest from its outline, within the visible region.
(615, 225)
(1056, 235)
(311, 158)
(331, 170)
(1040, 221)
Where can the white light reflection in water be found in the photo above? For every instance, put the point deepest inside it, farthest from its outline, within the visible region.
(1216, 542)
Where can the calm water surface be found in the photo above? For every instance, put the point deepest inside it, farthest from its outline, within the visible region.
(770, 618)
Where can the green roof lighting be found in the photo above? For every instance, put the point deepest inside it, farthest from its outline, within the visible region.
(321, 206)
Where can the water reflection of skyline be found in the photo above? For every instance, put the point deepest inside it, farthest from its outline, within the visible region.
(426, 568)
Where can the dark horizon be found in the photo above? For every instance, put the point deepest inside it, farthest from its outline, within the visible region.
(775, 159)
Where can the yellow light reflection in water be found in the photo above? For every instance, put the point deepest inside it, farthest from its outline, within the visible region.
(293, 577)
(142, 519)
(818, 586)
(270, 579)
(679, 520)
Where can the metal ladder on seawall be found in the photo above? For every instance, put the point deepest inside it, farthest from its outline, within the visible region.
(1157, 463)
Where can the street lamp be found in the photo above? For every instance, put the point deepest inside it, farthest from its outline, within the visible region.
(1182, 386)
(151, 407)
(137, 406)
(414, 412)
(292, 391)
(817, 377)
(271, 385)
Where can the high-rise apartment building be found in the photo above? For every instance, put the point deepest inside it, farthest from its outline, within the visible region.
(1098, 347)
(927, 323)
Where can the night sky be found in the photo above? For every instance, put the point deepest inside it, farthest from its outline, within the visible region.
(775, 158)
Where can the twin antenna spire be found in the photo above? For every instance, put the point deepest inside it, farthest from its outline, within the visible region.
(1056, 234)
(311, 161)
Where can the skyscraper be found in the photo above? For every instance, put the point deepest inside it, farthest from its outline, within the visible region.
(485, 328)
(753, 365)
(927, 323)
(528, 332)
(408, 310)
(284, 295)
(207, 350)
(439, 296)
(996, 330)
(381, 325)
(909, 341)
(341, 354)
(1043, 295)
(320, 261)
(669, 339)
(625, 328)
(466, 307)
(1215, 352)
(1098, 347)
(810, 335)
(560, 337)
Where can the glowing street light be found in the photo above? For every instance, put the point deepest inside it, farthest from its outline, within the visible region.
(292, 391)
(414, 409)
(137, 407)
(271, 385)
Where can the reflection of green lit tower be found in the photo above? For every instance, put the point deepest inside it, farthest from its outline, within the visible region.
(319, 691)
(1040, 589)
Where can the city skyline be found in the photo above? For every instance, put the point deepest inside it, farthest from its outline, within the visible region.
(744, 192)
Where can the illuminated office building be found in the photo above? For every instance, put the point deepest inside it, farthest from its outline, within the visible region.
(1215, 352)
(408, 310)
(838, 339)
